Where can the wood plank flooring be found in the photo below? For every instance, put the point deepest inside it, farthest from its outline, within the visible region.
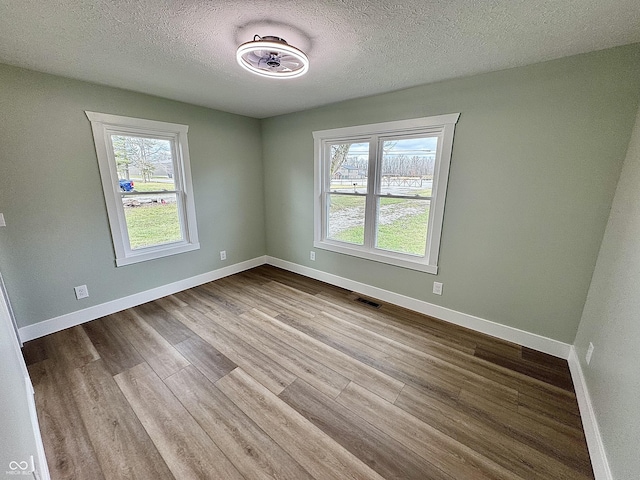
(271, 375)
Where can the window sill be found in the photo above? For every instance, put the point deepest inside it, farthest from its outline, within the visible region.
(377, 257)
(166, 251)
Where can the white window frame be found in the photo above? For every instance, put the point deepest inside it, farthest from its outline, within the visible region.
(441, 126)
(103, 126)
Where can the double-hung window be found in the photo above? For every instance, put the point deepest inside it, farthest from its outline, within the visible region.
(146, 180)
(380, 190)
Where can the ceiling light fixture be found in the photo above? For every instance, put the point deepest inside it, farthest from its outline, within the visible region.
(272, 57)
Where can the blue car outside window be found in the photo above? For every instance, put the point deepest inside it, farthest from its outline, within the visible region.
(126, 185)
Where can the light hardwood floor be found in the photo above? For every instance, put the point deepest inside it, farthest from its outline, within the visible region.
(270, 375)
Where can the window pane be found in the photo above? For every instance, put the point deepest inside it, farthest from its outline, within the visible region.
(144, 164)
(346, 218)
(402, 225)
(152, 219)
(407, 166)
(349, 167)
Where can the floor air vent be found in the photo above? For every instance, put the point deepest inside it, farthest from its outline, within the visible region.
(367, 302)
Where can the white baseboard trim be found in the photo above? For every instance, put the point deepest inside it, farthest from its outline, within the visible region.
(78, 317)
(521, 337)
(515, 335)
(597, 453)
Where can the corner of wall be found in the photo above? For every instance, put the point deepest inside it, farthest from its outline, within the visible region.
(597, 452)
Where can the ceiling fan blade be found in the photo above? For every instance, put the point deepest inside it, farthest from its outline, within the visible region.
(252, 58)
(290, 65)
(290, 58)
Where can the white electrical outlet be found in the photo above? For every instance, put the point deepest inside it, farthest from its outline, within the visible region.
(312, 255)
(81, 292)
(2, 222)
(223, 255)
(437, 288)
(587, 357)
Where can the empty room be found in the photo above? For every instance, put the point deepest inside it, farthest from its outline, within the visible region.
(320, 240)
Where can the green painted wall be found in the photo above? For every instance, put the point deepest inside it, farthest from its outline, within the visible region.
(57, 233)
(536, 158)
(611, 321)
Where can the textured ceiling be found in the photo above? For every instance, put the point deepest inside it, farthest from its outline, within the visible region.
(185, 49)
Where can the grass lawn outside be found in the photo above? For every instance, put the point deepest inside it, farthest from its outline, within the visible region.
(402, 224)
(152, 224)
(139, 186)
(341, 202)
(407, 234)
(351, 235)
